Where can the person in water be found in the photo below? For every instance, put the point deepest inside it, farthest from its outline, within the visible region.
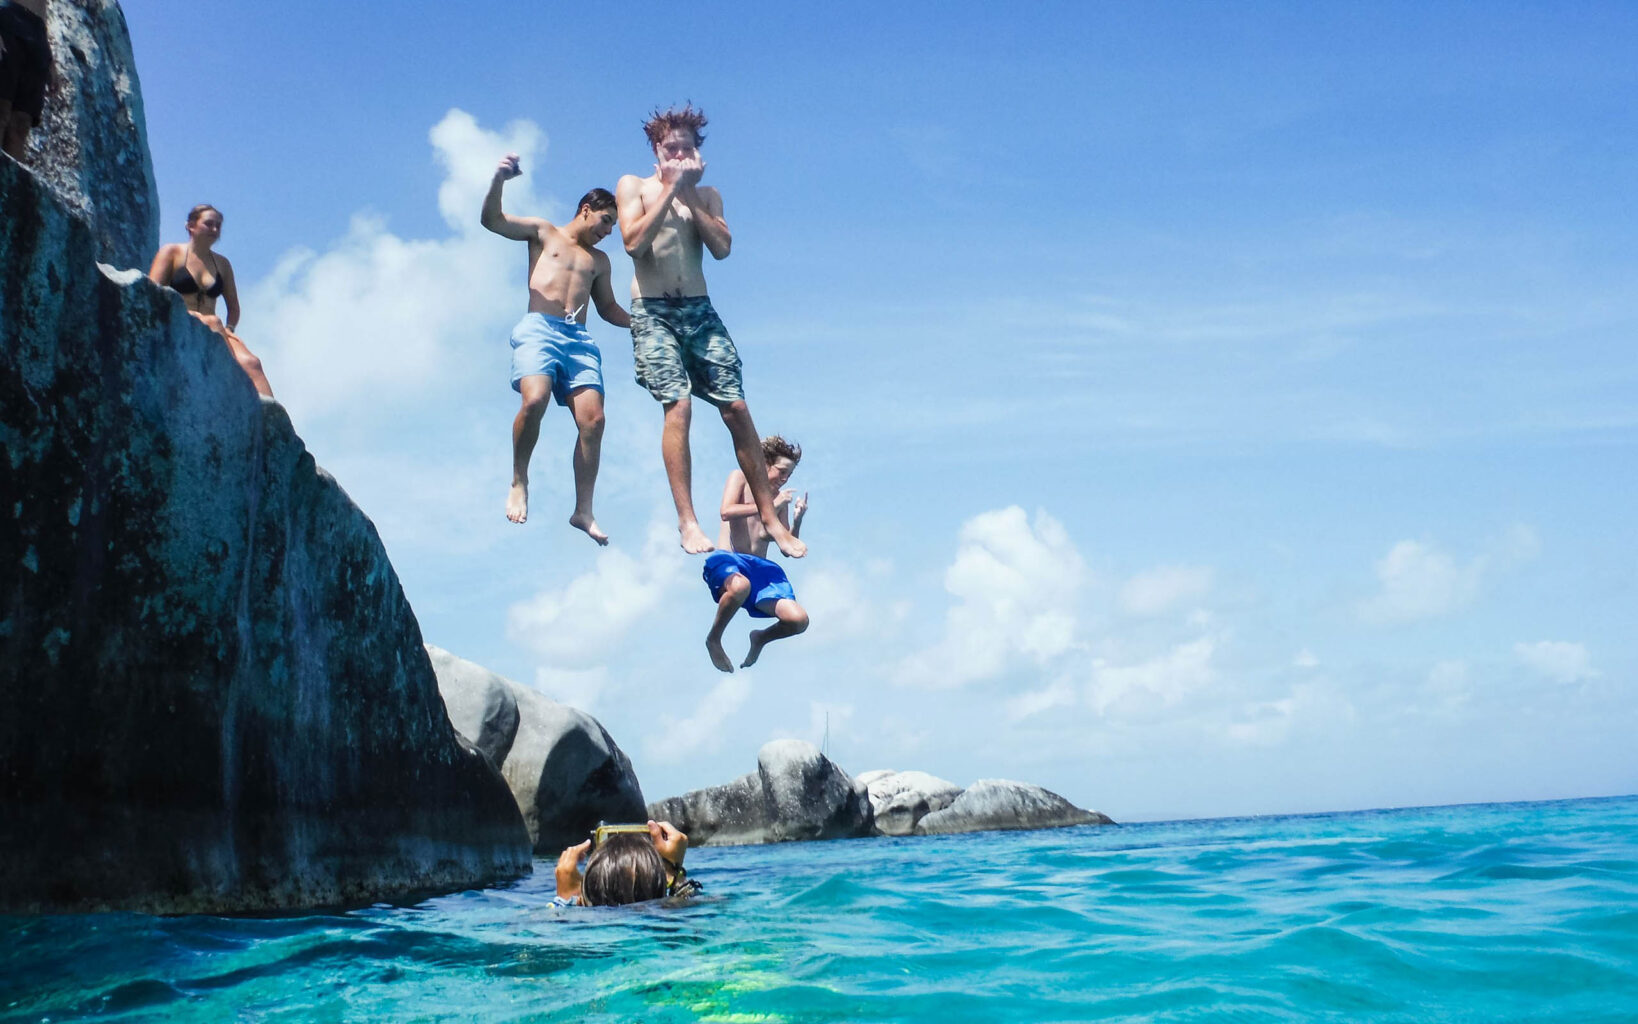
(201, 276)
(552, 355)
(625, 866)
(25, 72)
(741, 574)
(679, 344)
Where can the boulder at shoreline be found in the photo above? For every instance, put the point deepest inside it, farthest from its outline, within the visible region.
(564, 769)
(795, 793)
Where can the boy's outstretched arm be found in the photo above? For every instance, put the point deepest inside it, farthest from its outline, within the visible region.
(521, 229)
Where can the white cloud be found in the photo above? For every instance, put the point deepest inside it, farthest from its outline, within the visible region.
(1419, 581)
(1559, 661)
(1057, 694)
(1307, 708)
(701, 730)
(578, 688)
(586, 621)
(390, 320)
(1016, 587)
(840, 606)
(1161, 589)
(1161, 681)
(1305, 659)
(827, 720)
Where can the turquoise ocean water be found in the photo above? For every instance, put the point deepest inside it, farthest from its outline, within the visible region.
(1497, 912)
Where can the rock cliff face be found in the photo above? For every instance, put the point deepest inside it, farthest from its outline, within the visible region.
(565, 770)
(92, 146)
(213, 695)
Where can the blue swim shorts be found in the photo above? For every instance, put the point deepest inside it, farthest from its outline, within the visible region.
(680, 348)
(768, 582)
(559, 348)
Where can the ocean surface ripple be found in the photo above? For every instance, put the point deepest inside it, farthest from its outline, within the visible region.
(1495, 912)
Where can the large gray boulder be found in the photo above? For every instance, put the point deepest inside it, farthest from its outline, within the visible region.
(92, 145)
(564, 769)
(899, 800)
(795, 793)
(213, 695)
(992, 804)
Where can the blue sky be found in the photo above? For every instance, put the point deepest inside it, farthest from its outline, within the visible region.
(1208, 409)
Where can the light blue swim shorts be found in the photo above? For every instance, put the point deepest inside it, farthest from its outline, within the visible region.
(559, 348)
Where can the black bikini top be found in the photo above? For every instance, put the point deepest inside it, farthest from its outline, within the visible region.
(182, 281)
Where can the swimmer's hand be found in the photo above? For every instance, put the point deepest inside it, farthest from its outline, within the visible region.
(783, 498)
(510, 167)
(668, 841)
(568, 870)
(799, 506)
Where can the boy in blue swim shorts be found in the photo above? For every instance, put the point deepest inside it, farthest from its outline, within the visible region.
(552, 355)
(739, 573)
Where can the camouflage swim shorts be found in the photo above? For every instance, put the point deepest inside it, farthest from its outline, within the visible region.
(681, 348)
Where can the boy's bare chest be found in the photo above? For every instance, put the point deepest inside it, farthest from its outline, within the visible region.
(562, 258)
(678, 217)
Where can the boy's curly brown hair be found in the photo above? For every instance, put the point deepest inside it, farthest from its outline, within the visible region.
(662, 121)
(776, 447)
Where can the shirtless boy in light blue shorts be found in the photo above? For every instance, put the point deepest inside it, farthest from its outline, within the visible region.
(552, 355)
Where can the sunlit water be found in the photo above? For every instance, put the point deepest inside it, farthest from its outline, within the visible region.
(1516, 912)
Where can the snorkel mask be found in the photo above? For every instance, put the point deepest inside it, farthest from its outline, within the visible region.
(602, 832)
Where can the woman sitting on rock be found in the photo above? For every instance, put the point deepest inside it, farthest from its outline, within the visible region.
(199, 276)
(628, 864)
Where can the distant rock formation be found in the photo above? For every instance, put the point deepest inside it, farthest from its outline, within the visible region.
(991, 804)
(798, 793)
(213, 695)
(565, 770)
(795, 793)
(901, 799)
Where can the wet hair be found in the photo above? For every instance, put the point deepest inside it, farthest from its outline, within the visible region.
(199, 211)
(625, 868)
(662, 122)
(776, 447)
(597, 199)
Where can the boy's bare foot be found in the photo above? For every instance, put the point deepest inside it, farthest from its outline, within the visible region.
(517, 501)
(757, 643)
(695, 542)
(719, 657)
(589, 525)
(790, 545)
